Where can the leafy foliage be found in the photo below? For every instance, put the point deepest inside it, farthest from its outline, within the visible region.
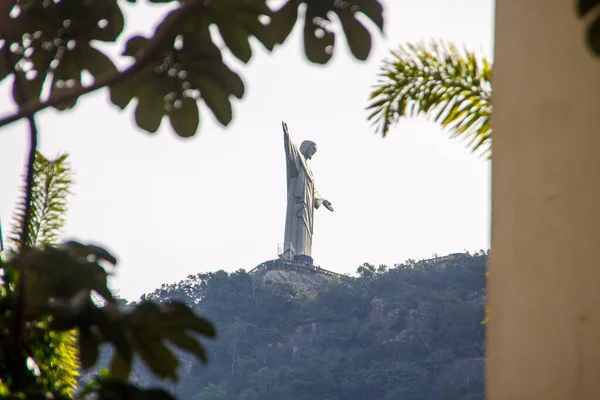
(451, 87)
(52, 44)
(51, 182)
(390, 333)
(61, 281)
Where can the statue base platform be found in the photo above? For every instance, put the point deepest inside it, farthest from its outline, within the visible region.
(298, 271)
(301, 258)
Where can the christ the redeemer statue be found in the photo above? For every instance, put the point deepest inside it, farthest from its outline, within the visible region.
(302, 198)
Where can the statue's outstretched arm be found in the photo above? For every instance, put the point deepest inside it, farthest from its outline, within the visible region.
(291, 151)
(286, 138)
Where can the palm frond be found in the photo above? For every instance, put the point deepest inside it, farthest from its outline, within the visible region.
(51, 182)
(57, 356)
(450, 86)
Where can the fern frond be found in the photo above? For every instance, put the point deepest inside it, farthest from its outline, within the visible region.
(51, 182)
(450, 86)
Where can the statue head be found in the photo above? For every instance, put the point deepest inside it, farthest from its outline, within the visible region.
(308, 149)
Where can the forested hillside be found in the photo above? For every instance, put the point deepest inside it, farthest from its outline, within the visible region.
(410, 332)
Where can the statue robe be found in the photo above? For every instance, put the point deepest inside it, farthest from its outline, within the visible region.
(302, 200)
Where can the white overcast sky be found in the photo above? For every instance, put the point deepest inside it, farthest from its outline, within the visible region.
(168, 207)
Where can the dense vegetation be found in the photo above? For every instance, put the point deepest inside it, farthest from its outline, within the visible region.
(411, 332)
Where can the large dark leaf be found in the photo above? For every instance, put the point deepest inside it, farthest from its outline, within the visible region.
(283, 21)
(88, 347)
(154, 325)
(120, 366)
(185, 118)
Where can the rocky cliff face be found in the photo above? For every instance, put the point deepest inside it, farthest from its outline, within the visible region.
(384, 318)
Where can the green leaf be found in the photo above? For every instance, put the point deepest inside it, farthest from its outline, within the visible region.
(120, 366)
(283, 21)
(107, 320)
(134, 45)
(67, 74)
(60, 273)
(372, 9)
(115, 22)
(186, 118)
(4, 68)
(33, 87)
(215, 70)
(319, 38)
(236, 39)
(318, 41)
(88, 348)
(94, 61)
(151, 105)
(236, 21)
(188, 343)
(122, 93)
(214, 96)
(179, 315)
(158, 358)
(154, 325)
(101, 254)
(358, 37)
